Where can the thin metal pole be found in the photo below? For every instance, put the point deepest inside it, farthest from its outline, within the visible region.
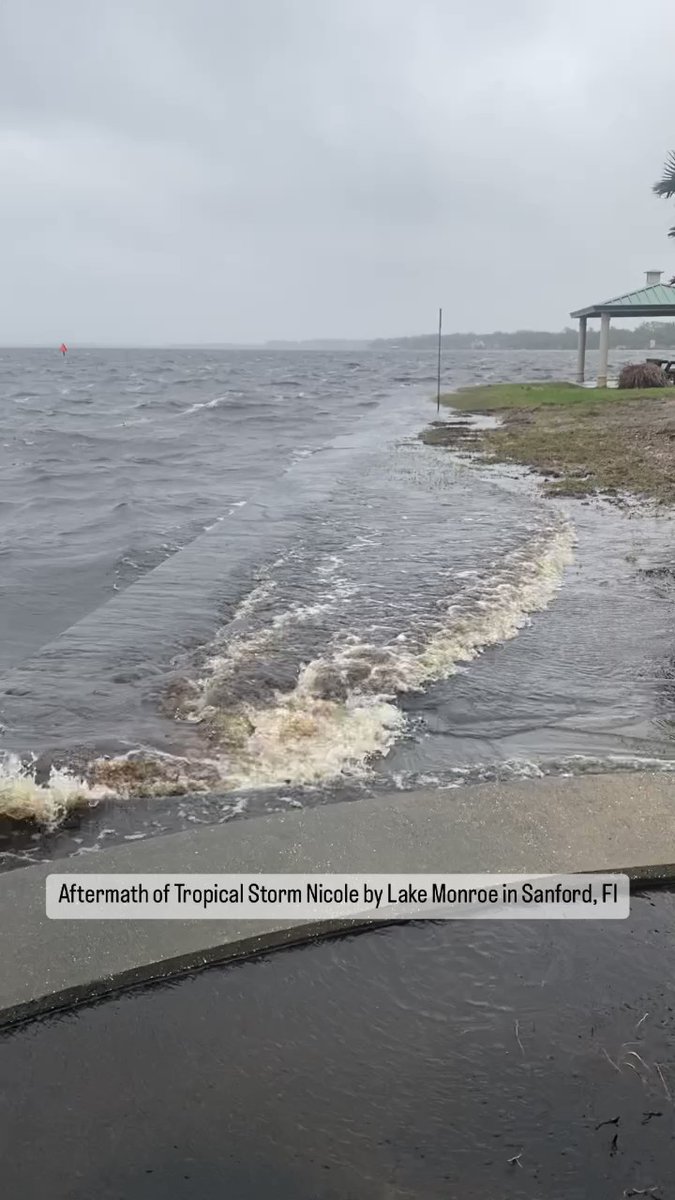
(438, 381)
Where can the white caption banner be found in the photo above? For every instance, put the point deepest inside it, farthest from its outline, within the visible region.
(336, 897)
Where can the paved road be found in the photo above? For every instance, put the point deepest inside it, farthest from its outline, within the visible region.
(593, 823)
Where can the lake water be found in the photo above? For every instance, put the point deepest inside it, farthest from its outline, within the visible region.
(237, 581)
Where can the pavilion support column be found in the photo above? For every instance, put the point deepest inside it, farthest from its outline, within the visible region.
(604, 350)
(581, 352)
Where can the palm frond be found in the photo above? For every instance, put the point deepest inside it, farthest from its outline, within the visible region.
(666, 186)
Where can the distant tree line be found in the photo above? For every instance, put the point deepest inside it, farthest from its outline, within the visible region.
(662, 334)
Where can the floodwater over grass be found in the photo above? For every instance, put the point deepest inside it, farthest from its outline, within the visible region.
(584, 440)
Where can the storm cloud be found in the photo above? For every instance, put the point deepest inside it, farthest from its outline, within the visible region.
(236, 171)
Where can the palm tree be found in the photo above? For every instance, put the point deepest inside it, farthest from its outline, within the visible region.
(666, 186)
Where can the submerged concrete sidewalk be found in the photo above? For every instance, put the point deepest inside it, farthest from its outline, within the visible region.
(591, 823)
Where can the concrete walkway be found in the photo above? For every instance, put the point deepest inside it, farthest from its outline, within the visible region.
(591, 823)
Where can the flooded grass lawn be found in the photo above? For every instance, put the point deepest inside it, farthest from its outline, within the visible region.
(583, 439)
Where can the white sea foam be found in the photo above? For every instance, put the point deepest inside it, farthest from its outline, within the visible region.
(214, 403)
(304, 740)
(22, 798)
(122, 777)
(342, 710)
(509, 769)
(340, 713)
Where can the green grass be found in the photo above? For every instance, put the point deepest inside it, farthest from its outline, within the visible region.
(582, 440)
(496, 397)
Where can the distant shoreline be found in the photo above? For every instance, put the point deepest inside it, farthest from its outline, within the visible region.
(663, 336)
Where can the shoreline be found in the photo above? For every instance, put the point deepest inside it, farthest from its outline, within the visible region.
(566, 824)
(581, 441)
(473, 428)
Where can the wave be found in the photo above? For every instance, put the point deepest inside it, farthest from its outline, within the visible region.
(23, 798)
(264, 723)
(46, 796)
(214, 403)
(341, 710)
(511, 770)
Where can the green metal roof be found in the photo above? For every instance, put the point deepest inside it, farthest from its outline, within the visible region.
(654, 301)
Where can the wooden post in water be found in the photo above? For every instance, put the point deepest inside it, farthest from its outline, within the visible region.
(438, 378)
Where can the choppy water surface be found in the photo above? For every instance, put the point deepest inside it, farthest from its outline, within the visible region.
(235, 580)
(449, 1061)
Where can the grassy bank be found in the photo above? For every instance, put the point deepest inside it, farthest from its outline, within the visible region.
(582, 440)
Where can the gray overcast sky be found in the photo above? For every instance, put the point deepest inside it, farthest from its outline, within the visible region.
(234, 170)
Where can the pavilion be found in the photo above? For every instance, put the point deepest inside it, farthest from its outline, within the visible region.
(656, 299)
